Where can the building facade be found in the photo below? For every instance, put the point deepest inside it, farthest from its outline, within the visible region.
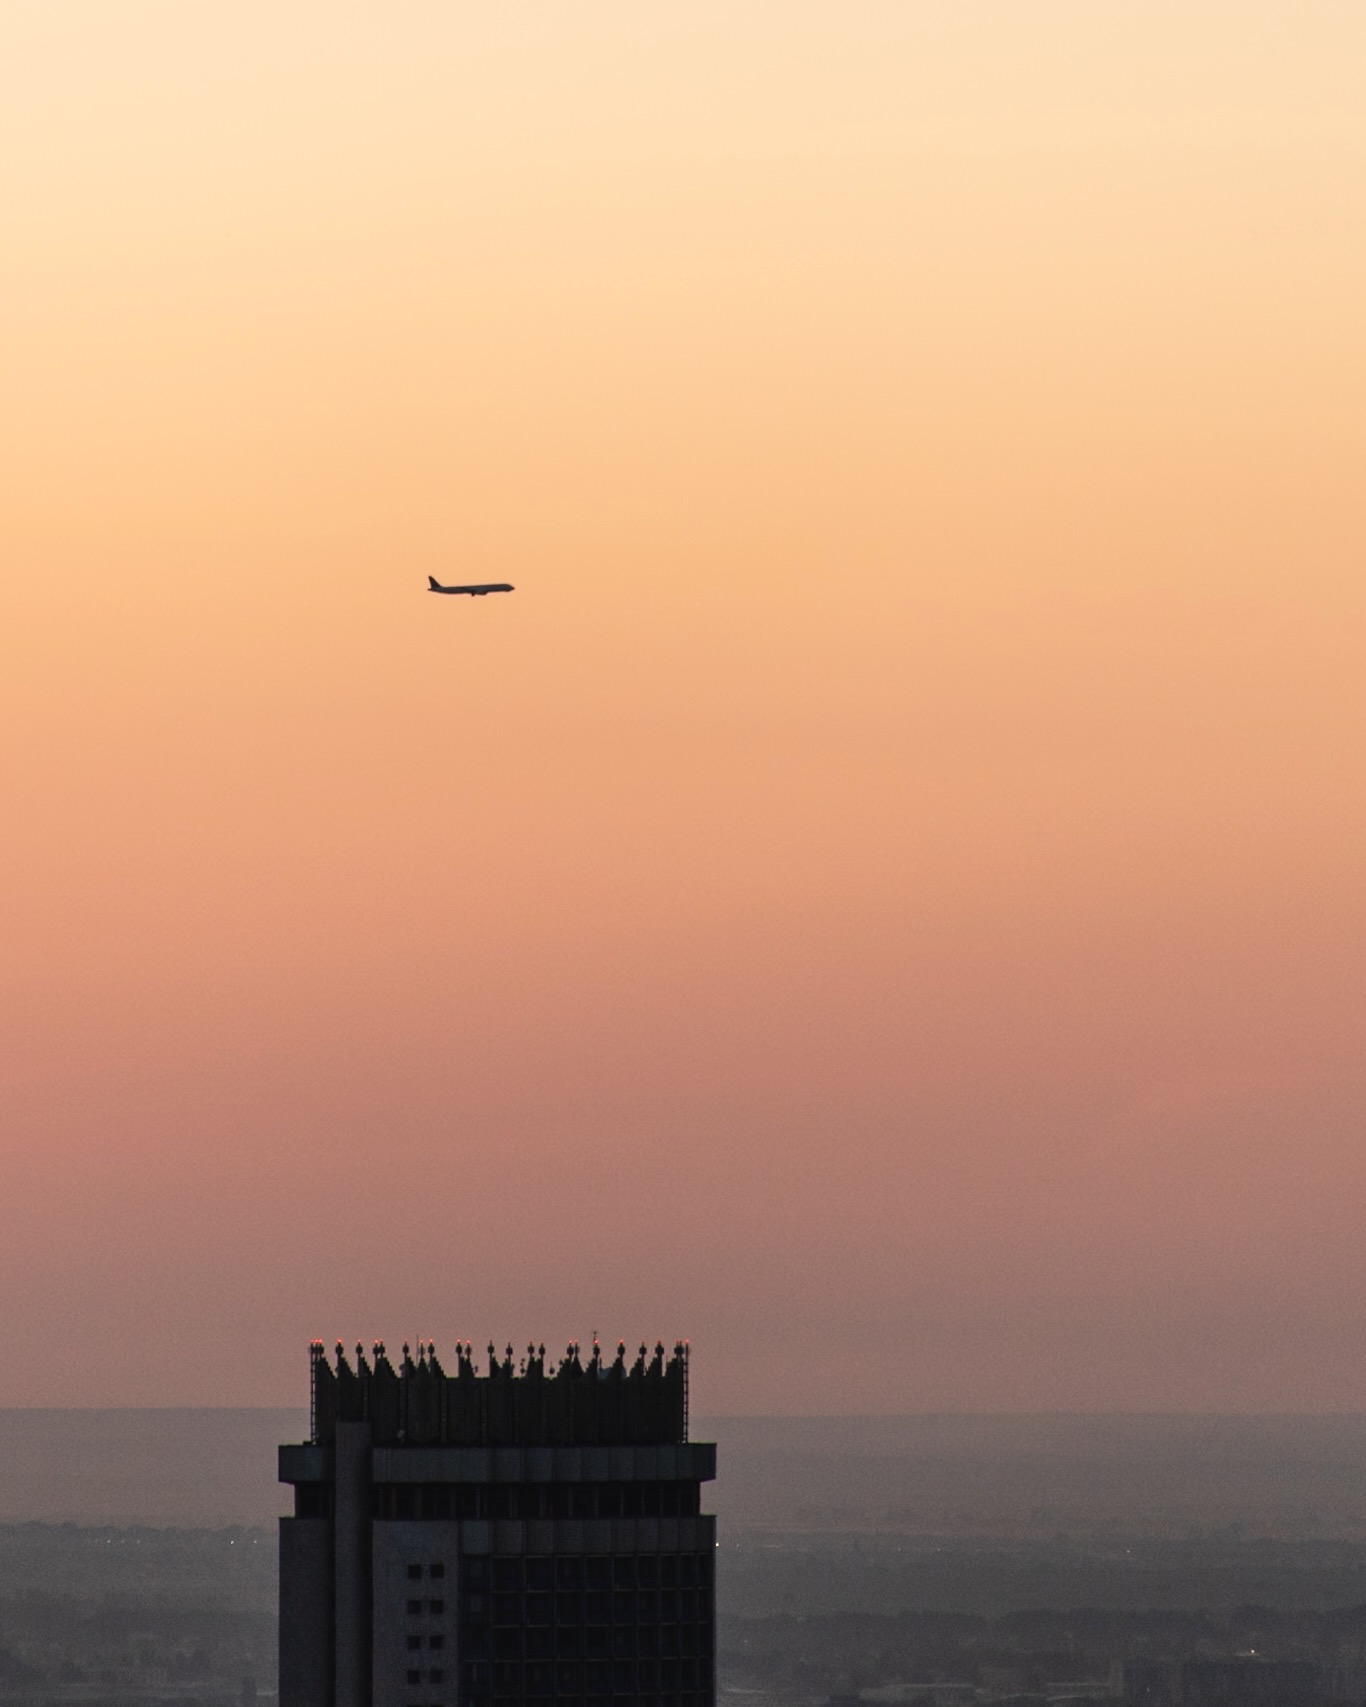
(519, 1534)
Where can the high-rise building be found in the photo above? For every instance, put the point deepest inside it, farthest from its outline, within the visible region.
(524, 1534)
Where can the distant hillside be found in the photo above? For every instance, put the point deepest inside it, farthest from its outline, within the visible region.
(1290, 1477)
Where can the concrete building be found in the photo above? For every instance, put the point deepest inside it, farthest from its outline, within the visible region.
(479, 1539)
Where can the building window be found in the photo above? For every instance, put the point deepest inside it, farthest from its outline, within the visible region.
(436, 1675)
(414, 1573)
(436, 1570)
(436, 1642)
(414, 1642)
(436, 1607)
(414, 1677)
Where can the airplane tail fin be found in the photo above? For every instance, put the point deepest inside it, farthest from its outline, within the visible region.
(433, 585)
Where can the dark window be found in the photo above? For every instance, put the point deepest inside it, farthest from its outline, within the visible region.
(414, 1572)
(539, 1608)
(474, 1605)
(623, 1642)
(623, 1573)
(645, 1570)
(646, 1606)
(624, 1677)
(668, 1571)
(436, 1675)
(599, 1608)
(538, 1678)
(598, 1640)
(414, 1677)
(436, 1642)
(436, 1570)
(507, 1573)
(414, 1607)
(599, 1677)
(568, 1641)
(569, 1608)
(568, 1678)
(475, 1572)
(436, 1606)
(414, 1642)
(687, 1570)
(435, 1502)
(507, 1644)
(540, 1644)
(599, 1572)
(623, 1608)
(569, 1573)
(540, 1573)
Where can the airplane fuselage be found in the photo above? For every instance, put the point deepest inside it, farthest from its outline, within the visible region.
(477, 591)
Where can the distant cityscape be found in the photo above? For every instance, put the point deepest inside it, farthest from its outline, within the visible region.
(877, 1560)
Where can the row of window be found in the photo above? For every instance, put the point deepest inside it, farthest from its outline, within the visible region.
(603, 1699)
(435, 1608)
(619, 1677)
(573, 1641)
(493, 1500)
(622, 1571)
(436, 1571)
(645, 1606)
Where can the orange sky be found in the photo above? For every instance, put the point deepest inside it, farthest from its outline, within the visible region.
(884, 897)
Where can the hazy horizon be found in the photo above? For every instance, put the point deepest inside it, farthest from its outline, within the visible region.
(1026, 1476)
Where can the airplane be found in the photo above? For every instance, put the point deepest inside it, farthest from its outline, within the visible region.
(434, 586)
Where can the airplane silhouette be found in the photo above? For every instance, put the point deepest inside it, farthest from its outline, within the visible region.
(478, 591)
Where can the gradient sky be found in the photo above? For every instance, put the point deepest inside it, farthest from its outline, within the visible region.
(884, 897)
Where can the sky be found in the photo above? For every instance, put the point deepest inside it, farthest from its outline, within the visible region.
(883, 898)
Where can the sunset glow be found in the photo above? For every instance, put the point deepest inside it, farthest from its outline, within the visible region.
(883, 898)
